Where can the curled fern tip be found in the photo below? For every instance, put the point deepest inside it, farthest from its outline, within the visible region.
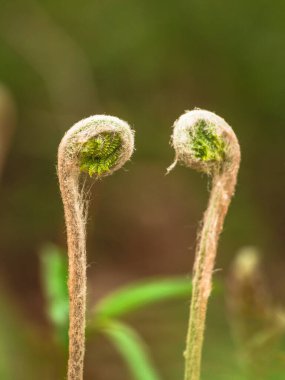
(100, 154)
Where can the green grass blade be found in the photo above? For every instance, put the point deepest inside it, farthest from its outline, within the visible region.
(54, 280)
(138, 295)
(132, 349)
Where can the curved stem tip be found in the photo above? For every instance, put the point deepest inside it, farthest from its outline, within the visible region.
(205, 142)
(98, 145)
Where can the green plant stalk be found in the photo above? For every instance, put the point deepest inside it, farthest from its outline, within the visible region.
(205, 142)
(74, 157)
(202, 276)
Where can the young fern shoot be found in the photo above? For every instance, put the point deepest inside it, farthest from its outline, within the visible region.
(205, 142)
(98, 145)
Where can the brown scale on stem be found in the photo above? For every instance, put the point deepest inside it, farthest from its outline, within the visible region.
(98, 145)
(205, 142)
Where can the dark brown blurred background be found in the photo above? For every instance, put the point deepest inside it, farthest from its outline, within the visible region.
(145, 62)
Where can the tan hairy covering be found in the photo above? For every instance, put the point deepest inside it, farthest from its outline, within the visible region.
(75, 211)
(223, 185)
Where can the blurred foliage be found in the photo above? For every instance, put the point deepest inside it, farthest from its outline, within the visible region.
(258, 325)
(54, 277)
(103, 317)
(132, 349)
(138, 295)
(25, 352)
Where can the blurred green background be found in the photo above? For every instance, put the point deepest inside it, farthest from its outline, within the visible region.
(145, 62)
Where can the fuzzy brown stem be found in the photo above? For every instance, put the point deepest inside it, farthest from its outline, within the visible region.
(75, 211)
(75, 222)
(222, 190)
(75, 217)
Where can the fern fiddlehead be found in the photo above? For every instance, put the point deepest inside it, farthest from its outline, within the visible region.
(205, 142)
(98, 145)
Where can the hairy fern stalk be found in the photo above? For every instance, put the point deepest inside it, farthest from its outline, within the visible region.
(98, 145)
(205, 142)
